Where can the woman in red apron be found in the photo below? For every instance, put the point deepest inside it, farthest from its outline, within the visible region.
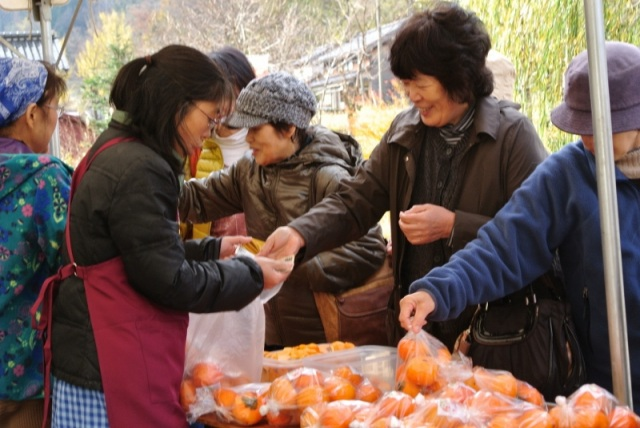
(116, 314)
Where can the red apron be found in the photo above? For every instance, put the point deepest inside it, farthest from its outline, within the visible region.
(140, 345)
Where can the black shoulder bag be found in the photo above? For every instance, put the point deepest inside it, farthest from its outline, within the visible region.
(531, 334)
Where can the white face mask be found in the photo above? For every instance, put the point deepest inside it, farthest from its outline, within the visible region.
(233, 146)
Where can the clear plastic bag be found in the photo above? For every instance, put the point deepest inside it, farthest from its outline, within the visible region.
(425, 365)
(339, 413)
(223, 349)
(237, 405)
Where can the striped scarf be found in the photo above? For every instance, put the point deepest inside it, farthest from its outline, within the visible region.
(452, 134)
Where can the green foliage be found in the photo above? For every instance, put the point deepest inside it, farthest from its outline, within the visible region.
(540, 38)
(97, 65)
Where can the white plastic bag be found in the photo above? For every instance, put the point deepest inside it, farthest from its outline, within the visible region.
(234, 340)
(223, 349)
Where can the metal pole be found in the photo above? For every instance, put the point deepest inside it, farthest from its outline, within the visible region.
(608, 202)
(68, 34)
(378, 26)
(47, 55)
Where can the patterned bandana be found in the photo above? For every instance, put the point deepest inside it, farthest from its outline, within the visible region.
(21, 83)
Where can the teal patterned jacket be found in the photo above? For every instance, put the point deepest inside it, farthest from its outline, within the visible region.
(34, 191)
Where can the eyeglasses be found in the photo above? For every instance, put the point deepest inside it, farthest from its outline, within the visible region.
(59, 109)
(213, 122)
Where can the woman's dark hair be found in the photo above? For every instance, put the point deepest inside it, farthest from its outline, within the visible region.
(157, 92)
(54, 87)
(300, 134)
(235, 65)
(449, 43)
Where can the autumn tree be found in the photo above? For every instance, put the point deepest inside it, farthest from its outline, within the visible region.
(540, 38)
(285, 30)
(110, 47)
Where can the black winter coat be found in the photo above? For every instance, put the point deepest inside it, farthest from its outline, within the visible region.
(126, 205)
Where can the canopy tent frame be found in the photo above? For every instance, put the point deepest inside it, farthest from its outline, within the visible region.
(41, 10)
(608, 201)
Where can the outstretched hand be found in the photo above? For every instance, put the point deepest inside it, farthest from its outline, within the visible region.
(414, 309)
(274, 272)
(283, 242)
(229, 244)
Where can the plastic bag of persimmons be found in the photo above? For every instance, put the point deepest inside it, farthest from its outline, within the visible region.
(210, 365)
(451, 393)
(281, 402)
(435, 388)
(307, 388)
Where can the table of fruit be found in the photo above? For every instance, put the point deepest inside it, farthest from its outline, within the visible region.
(418, 384)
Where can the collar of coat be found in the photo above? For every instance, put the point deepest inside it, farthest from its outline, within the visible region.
(486, 123)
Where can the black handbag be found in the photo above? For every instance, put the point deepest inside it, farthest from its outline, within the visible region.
(531, 334)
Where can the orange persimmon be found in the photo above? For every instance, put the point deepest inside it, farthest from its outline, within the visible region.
(589, 418)
(410, 347)
(367, 391)
(623, 417)
(336, 417)
(224, 397)
(502, 421)
(206, 374)
(458, 392)
(282, 392)
(310, 396)
(422, 371)
(283, 417)
(490, 402)
(529, 393)
(348, 373)
(593, 396)
(496, 380)
(309, 418)
(535, 418)
(338, 388)
(187, 394)
(383, 422)
(246, 408)
(408, 387)
(395, 403)
(566, 416)
(306, 376)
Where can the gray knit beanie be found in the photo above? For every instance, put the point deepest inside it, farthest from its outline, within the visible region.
(276, 97)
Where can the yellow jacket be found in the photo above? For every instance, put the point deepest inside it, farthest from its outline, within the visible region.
(209, 160)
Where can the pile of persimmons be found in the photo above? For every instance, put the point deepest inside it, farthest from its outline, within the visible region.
(432, 389)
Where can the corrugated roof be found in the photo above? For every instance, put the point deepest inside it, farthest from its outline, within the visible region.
(29, 45)
(353, 46)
